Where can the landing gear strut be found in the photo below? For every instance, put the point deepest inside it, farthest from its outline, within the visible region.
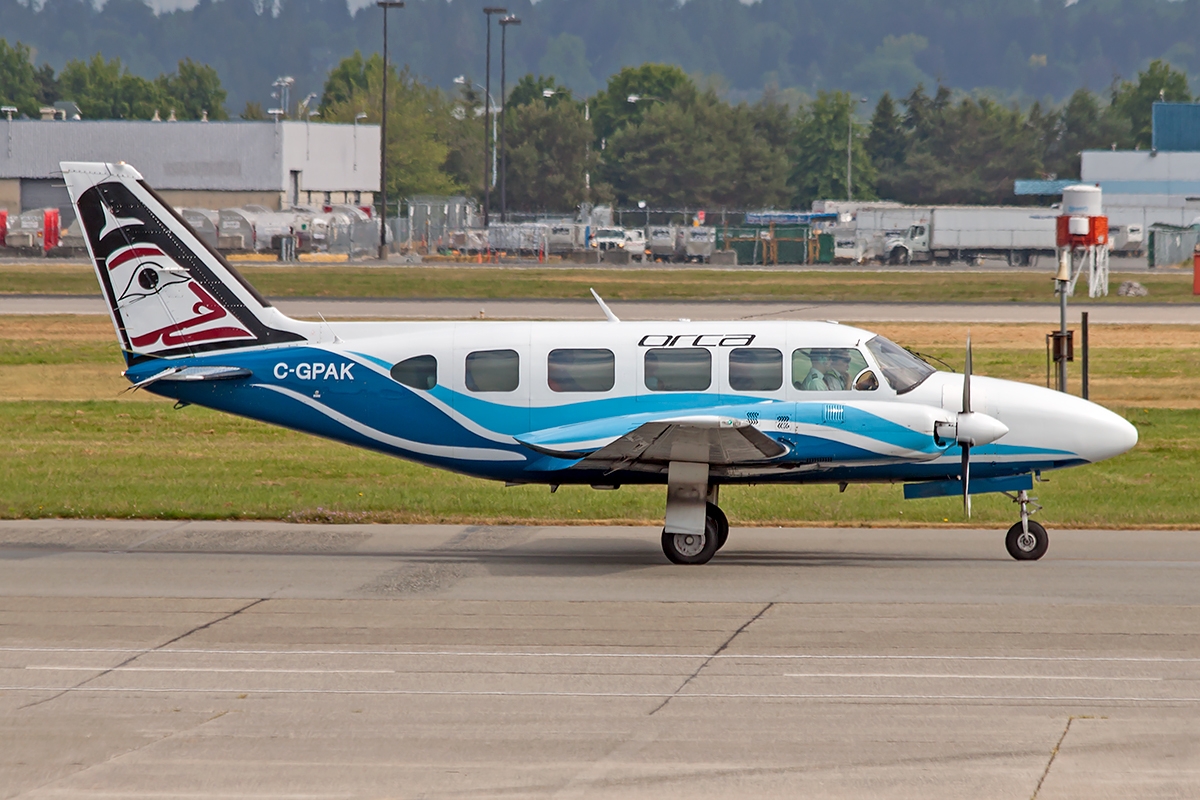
(1026, 540)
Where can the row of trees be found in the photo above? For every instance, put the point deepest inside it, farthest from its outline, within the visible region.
(655, 134)
(107, 89)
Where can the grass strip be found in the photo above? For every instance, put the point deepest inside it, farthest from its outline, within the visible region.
(115, 459)
(629, 284)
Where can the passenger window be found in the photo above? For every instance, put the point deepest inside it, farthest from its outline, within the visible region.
(755, 369)
(493, 371)
(685, 369)
(419, 372)
(581, 370)
(828, 369)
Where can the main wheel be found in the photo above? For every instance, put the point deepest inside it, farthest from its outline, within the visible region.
(713, 511)
(1027, 546)
(689, 548)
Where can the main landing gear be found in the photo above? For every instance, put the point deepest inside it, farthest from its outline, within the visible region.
(691, 548)
(1026, 540)
(696, 528)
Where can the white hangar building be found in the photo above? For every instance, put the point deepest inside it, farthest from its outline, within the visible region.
(196, 164)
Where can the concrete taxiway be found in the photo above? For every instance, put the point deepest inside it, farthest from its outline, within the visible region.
(383, 308)
(191, 659)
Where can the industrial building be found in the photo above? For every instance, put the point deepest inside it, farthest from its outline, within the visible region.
(196, 164)
(1159, 186)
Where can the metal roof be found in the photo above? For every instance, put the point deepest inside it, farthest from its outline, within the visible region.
(214, 156)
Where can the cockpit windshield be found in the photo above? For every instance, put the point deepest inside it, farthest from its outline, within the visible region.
(903, 370)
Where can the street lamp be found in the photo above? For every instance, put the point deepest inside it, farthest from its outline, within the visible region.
(511, 19)
(461, 80)
(487, 89)
(359, 116)
(282, 85)
(637, 98)
(642, 205)
(385, 5)
(849, 140)
(8, 111)
(587, 155)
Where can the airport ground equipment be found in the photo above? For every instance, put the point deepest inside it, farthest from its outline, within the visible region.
(689, 405)
(665, 242)
(971, 233)
(699, 243)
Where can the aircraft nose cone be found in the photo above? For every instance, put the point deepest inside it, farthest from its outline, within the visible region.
(1115, 435)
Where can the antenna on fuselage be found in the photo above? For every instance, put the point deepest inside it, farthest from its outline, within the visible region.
(604, 307)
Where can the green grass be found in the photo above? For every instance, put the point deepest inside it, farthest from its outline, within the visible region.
(119, 459)
(626, 284)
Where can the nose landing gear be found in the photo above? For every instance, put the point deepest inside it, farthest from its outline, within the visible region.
(1026, 540)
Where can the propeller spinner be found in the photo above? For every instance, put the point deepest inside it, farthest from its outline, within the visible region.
(970, 429)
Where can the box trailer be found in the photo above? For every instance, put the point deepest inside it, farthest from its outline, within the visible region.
(972, 233)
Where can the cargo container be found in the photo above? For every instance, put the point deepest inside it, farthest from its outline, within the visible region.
(699, 243)
(664, 242)
(204, 222)
(236, 229)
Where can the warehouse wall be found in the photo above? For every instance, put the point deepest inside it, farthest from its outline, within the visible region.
(184, 198)
(10, 195)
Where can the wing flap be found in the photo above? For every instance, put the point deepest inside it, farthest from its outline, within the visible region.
(718, 441)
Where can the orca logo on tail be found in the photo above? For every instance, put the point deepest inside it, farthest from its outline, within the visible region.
(168, 293)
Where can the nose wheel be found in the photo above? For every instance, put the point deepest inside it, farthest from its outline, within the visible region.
(692, 548)
(1026, 540)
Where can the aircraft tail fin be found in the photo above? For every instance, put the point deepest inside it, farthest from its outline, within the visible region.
(168, 292)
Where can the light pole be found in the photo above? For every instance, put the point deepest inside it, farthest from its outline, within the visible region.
(487, 189)
(461, 80)
(511, 19)
(282, 86)
(587, 153)
(359, 116)
(849, 140)
(385, 5)
(8, 111)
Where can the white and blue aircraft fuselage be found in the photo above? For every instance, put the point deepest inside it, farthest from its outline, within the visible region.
(689, 404)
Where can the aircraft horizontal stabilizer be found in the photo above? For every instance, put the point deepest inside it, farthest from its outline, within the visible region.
(195, 374)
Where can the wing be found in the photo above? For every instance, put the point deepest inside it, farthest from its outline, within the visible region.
(651, 446)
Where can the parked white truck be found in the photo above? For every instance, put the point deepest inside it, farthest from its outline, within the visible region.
(971, 233)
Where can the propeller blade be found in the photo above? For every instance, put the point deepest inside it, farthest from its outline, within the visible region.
(966, 404)
(966, 479)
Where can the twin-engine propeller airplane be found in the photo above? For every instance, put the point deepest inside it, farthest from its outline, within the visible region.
(692, 405)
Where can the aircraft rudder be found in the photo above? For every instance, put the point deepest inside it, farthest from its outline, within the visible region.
(168, 292)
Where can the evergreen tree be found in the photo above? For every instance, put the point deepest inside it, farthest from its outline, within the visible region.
(819, 170)
(19, 85)
(1135, 100)
(887, 142)
(549, 152)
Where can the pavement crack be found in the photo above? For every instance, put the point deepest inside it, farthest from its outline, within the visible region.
(138, 655)
(1053, 755)
(716, 653)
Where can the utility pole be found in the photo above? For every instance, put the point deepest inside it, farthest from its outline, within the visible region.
(487, 90)
(849, 141)
(385, 5)
(511, 19)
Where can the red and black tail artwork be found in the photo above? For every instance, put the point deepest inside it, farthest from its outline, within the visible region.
(169, 293)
